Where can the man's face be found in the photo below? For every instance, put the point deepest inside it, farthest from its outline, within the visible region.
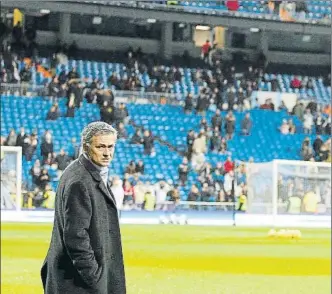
(102, 149)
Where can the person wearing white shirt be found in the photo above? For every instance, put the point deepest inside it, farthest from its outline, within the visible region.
(161, 190)
(118, 192)
(308, 121)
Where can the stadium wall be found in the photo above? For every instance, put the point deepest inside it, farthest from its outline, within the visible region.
(92, 42)
(203, 218)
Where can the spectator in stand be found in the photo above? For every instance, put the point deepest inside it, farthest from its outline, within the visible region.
(118, 192)
(228, 165)
(298, 110)
(47, 136)
(54, 88)
(215, 141)
(43, 179)
(313, 106)
(136, 138)
(25, 74)
(205, 193)
(319, 122)
(190, 142)
(246, 125)
(107, 113)
(327, 127)
(74, 149)
(327, 110)
(148, 143)
(310, 84)
(194, 194)
(308, 121)
(131, 168)
(216, 121)
(128, 189)
(71, 108)
(323, 154)
(30, 145)
(221, 196)
(122, 132)
(161, 189)
(35, 172)
(306, 150)
(199, 149)
(296, 83)
(229, 186)
(62, 160)
(12, 138)
(73, 74)
(21, 137)
(232, 5)
(292, 127)
(189, 104)
(139, 192)
(268, 105)
(317, 144)
(205, 51)
(202, 103)
(50, 160)
(53, 113)
(183, 171)
(327, 80)
(284, 128)
(46, 147)
(25, 77)
(203, 124)
(140, 168)
(301, 10)
(121, 114)
(223, 146)
(230, 97)
(283, 107)
(230, 125)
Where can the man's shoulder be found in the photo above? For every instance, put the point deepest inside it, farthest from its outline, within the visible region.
(75, 172)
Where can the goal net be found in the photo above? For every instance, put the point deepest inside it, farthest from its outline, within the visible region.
(286, 187)
(11, 177)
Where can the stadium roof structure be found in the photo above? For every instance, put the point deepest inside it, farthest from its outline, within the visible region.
(145, 10)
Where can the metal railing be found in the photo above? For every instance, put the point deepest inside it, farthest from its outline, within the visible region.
(21, 89)
(140, 97)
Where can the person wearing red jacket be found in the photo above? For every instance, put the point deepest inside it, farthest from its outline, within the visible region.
(206, 50)
(233, 5)
(228, 165)
(296, 83)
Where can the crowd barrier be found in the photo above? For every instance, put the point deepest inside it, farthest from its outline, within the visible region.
(189, 213)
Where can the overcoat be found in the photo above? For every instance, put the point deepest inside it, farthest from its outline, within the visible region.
(85, 253)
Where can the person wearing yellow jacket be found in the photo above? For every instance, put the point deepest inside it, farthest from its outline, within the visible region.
(49, 198)
(149, 201)
(242, 203)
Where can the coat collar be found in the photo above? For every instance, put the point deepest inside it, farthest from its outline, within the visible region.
(95, 174)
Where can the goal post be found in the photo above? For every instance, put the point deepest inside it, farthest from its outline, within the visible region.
(284, 190)
(11, 178)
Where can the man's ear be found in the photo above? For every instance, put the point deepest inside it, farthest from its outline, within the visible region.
(86, 148)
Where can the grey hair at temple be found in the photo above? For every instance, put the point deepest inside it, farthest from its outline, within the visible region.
(94, 129)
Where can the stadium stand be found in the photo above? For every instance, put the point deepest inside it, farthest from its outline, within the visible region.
(282, 134)
(102, 71)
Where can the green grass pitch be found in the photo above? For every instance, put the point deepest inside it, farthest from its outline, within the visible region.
(186, 260)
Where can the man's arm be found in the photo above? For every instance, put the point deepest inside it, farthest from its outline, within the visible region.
(77, 217)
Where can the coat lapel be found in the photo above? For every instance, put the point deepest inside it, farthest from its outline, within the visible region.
(95, 174)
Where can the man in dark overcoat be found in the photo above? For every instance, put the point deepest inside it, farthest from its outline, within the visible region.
(85, 254)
